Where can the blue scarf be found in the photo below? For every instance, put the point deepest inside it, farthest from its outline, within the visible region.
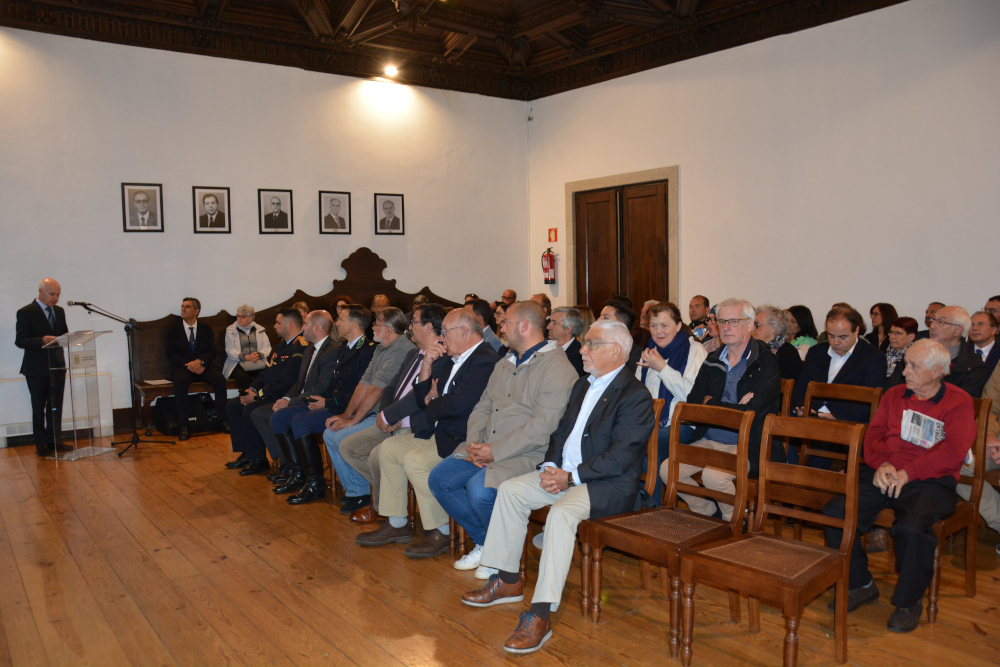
(676, 355)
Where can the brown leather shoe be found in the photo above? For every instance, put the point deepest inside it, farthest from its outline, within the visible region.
(385, 534)
(495, 592)
(433, 544)
(877, 540)
(366, 514)
(531, 633)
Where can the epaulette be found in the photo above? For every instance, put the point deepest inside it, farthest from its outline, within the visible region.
(302, 341)
(361, 342)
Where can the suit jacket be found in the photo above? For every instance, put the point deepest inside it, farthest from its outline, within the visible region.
(446, 417)
(329, 222)
(218, 223)
(279, 377)
(133, 220)
(991, 359)
(864, 368)
(613, 442)
(319, 375)
(392, 226)
(573, 354)
(32, 325)
(178, 350)
(276, 221)
(351, 364)
(968, 372)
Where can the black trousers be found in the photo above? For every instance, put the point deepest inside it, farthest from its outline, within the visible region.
(245, 436)
(920, 505)
(46, 406)
(243, 378)
(182, 379)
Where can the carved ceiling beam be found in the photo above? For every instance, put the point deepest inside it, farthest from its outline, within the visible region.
(565, 42)
(455, 44)
(313, 12)
(560, 22)
(356, 15)
(660, 7)
(687, 7)
(631, 18)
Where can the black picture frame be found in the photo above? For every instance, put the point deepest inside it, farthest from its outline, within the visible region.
(389, 229)
(265, 212)
(201, 216)
(131, 221)
(326, 206)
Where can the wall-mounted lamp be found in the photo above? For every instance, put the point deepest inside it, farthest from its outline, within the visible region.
(390, 70)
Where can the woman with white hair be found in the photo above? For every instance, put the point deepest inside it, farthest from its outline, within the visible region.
(772, 326)
(247, 348)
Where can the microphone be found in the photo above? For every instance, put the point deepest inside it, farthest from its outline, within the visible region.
(77, 303)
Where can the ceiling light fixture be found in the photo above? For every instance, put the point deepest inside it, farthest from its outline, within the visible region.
(390, 70)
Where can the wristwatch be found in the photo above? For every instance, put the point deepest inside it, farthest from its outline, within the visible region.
(570, 482)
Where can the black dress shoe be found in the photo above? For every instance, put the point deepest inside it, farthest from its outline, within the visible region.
(294, 482)
(279, 477)
(255, 468)
(354, 504)
(43, 450)
(906, 619)
(315, 489)
(184, 435)
(241, 462)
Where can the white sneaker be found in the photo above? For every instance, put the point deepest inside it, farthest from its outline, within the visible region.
(470, 561)
(484, 573)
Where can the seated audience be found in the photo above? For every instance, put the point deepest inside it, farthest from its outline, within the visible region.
(803, 330)
(771, 327)
(189, 346)
(564, 326)
(508, 429)
(247, 348)
(390, 333)
(949, 327)
(741, 375)
(668, 367)
(508, 297)
(989, 502)
(591, 469)
(902, 333)
(993, 306)
(698, 310)
(270, 385)
(302, 307)
(543, 301)
(712, 340)
(929, 316)
(640, 335)
(619, 309)
(882, 315)
(357, 449)
(587, 315)
(471, 296)
(982, 336)
(917, 482)
(379, 303)
(484, 315)
(453, 376)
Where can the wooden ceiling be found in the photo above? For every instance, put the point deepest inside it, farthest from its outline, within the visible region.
(520, 49)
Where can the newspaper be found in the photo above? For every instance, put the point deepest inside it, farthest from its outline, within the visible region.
(924, 431)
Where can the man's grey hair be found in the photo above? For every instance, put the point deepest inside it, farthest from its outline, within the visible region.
(962, 317)
(651, 302)
(935, 354)
(746, 308)
(775, 318)
(572, 321)
(613, 331)
(245, 310)
(469, 320)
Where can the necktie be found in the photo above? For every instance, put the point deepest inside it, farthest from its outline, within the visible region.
(52, 318)
(191, 337)
(979, 352)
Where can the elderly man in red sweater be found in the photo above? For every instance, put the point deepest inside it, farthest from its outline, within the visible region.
(912, 470)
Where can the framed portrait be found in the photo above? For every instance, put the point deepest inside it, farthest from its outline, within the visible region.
(389, 218)
(142, 207)
(334, 212)
(211, 210)
(274, 208)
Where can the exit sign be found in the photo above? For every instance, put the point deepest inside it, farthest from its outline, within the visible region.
(553, 235)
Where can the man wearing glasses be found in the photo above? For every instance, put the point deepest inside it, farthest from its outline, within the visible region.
(949, 326)
(740, 375)
(143, 216)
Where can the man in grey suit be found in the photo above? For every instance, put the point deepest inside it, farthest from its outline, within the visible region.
(143, 217)
(213, 218)
(333, 219)
(276, 219)
(391, 222)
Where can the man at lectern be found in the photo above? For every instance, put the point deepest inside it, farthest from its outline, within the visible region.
(39, 323)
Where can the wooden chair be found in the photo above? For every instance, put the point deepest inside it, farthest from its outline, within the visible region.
(649, 478)
(966, 516)
(786, 410)
(778, 570)
(657, 535)
(836, 392)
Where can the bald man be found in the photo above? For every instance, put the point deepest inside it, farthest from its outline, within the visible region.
(38, 324)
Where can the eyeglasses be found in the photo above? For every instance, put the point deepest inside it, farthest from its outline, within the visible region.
(943, 322)
(897, 333)
(731, 323)
(380, 324)
(591, 344)
(416, 323)
(444, 331)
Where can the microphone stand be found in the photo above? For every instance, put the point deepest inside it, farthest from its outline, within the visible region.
(129, 326)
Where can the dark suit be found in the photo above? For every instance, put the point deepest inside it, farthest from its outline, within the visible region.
(329, 222)
(392, 225)
(178, 352)
(573, 354)
(45, 388)
(134, 221)
(277, 220)
(218, 223)
(991, 359)
(864, 368)
(968, 372)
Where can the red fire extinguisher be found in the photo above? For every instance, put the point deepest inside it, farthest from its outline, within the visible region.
(549, 267)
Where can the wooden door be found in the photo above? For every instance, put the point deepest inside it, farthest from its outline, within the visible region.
(597, 246)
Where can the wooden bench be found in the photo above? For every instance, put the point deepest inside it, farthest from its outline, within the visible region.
(364, 279)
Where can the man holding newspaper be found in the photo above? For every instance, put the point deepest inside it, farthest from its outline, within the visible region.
(914, 449)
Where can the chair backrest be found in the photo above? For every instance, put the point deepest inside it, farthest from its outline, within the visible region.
(982, 408)
(787, 490)
(653, 449)
(843, 392)
(786, 397)
(737, 464)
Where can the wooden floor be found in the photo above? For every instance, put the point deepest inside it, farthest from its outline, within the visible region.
(163, 557)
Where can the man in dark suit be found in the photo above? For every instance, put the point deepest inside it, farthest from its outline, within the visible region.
(276, 219)
(390, 223)
(38, 324)
(333, 219)
(189, 346)
(213, 218)
(564, 327)
(270, 385)
(590, 470)
(982, 339)
(142, 217)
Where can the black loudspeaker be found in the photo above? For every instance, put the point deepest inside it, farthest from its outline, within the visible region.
(201, 414)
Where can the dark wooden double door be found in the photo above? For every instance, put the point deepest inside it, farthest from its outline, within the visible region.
(621, 244)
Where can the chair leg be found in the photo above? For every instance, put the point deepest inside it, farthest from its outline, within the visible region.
(411, 505)
(523, 571)
(840, 619)
(645, 575)
(585, 578)
(734, 607)
(688, 603)
(675, 615)
(596, 555)
(891, 551)
(971, 540)
(461, 542)
(664, 578)
(791, 640)
(754, 613)
(932, 602)
(452, 536)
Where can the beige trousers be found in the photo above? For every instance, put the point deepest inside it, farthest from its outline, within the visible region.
(401, 459)
(357, 448)
(710, 478)
(516, 498)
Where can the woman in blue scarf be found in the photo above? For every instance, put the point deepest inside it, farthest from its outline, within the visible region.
(668, 368)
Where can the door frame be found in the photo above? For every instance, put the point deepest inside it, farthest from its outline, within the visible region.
(668, 174)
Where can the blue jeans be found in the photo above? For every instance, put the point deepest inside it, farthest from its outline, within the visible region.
(460, 488)
(354, 484)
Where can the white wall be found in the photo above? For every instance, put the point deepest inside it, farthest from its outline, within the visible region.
(78, 117)
(856, 161)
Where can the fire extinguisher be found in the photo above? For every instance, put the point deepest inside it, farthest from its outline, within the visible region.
(549, 267)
